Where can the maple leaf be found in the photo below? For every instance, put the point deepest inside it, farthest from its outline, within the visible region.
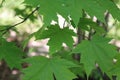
(111, 7)
(49, 9)
(42, 68)
(93, 8)
(99, 7)
(10, 53)
(96, 51)
(86, 24)
(74, 9)
(57, 37)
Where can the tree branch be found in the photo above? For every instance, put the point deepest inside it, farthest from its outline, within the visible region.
(8, 28)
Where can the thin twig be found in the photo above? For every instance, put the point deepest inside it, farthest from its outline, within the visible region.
(21, 21)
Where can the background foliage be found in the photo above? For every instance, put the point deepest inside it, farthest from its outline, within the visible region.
(59, 40)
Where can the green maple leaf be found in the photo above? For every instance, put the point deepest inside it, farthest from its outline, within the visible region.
(111, 7)
(48, 9)
(42, 68)
(74, 8)
(86, 24)
(96, 51)
(99, 7)
(10, 53)
(57, 37)
(93, 8)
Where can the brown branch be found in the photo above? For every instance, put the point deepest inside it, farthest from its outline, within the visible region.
(21, 21)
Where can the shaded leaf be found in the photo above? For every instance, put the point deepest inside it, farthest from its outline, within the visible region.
(57, 37)
(96, 51)
(42, 68)
(86, 24)
(74, 9)
(10, 53)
